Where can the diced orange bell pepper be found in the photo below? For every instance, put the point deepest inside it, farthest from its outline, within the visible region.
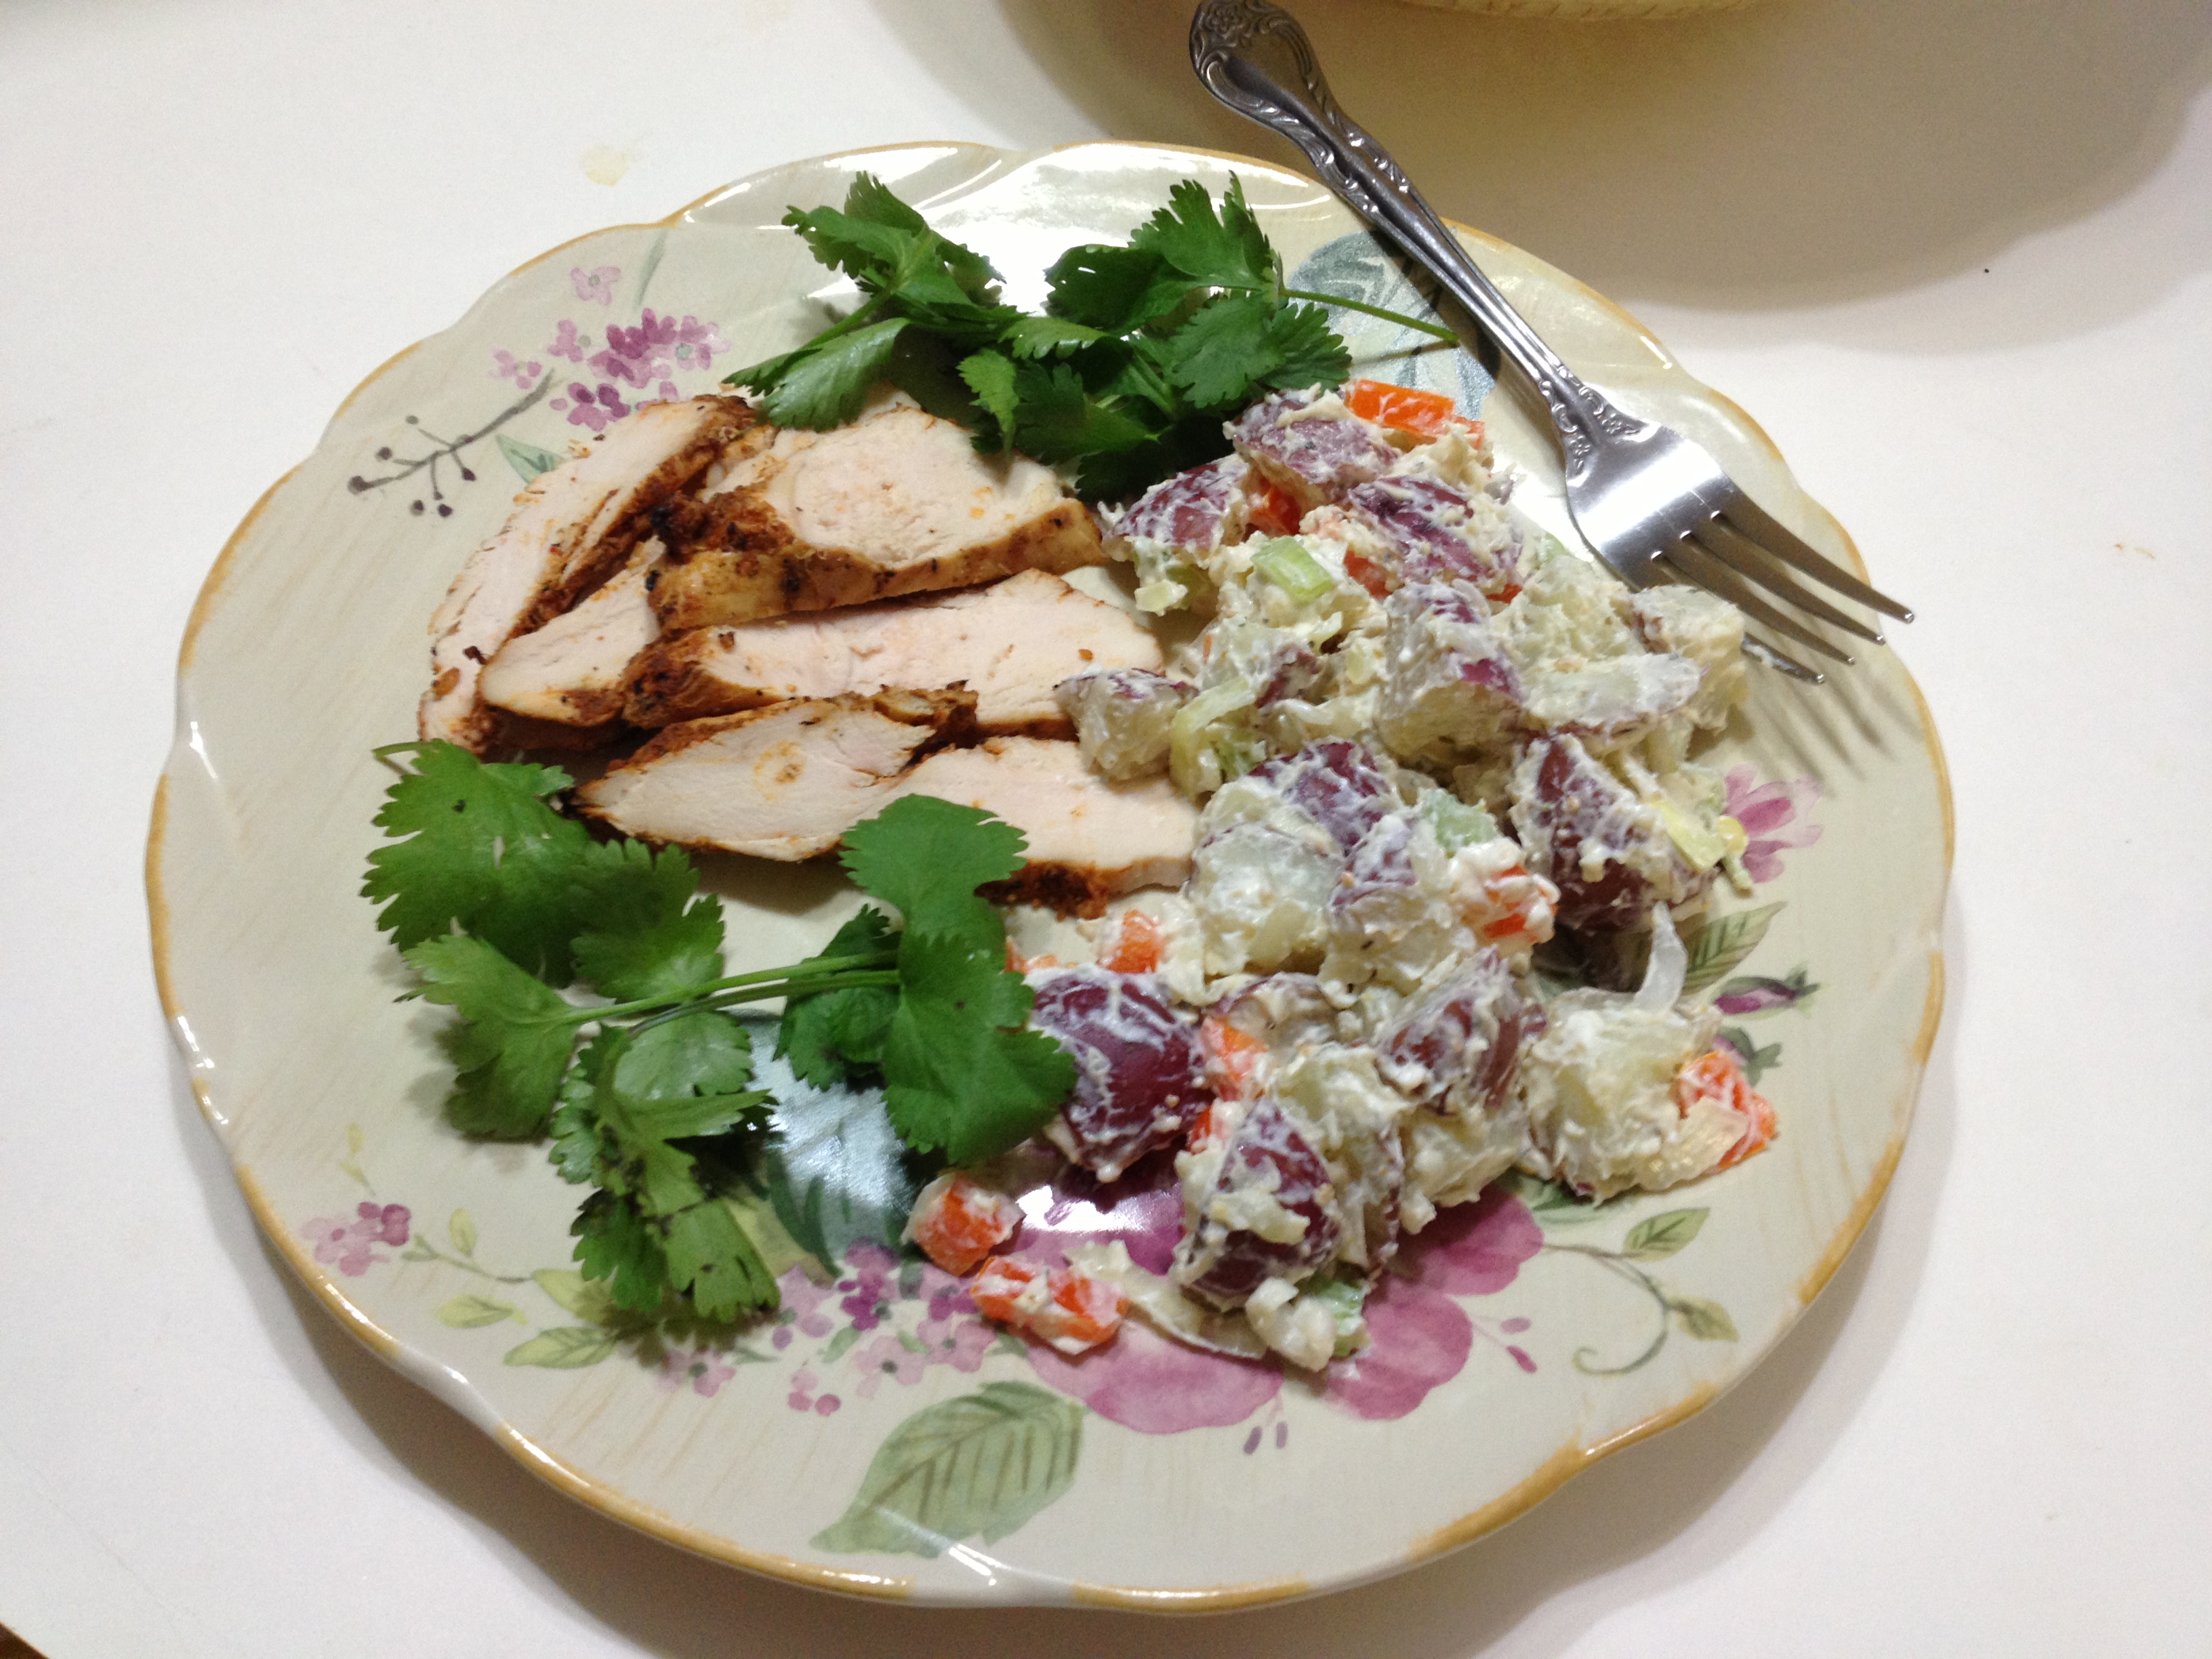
(1369, 574)
(1231, 1056)
(1401, 408)
(1136, 947)
(1274, 512)
(957, 1221)
(1716, 1075)
(1063, 1307)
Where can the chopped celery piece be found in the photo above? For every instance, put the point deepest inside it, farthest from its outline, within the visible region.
(1458, 824)
(1345, 1300)
(1286, 563)
(1188, 739)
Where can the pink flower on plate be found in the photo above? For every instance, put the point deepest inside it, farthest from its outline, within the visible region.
(887, 1356)
(657, 347)
(567, 344)
(506, 365)
(803, 1299)
(1768, 813)
(597, 284)
(1417, 1336)
(595, 410)
(351, 1245)
(702, 1368)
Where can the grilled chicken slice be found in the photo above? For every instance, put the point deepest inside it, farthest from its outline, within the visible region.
(787, 781)
(571, 529)
(899, 503)
(1010, 643)
(779, 782)
(574, 671)
(1089, 839)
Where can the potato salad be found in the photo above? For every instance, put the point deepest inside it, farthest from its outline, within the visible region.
(1422, 738)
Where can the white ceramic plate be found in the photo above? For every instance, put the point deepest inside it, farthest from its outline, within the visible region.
(1531, 1337)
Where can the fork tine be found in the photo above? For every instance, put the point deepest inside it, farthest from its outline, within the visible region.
(1708, 572)
(1732, 548)
(1760, 651)
(1753, 522)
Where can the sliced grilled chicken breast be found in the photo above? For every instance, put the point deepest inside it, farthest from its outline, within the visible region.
(899, 503)
(571, 529)
(1010, 643)
(779, 782)
(1088, 839)
(574, 671)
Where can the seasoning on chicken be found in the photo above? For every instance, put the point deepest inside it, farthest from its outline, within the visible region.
(899, 502)
(571, 529)
(573, 671)
(1010, 643)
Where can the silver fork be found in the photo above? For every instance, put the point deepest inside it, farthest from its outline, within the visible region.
(1652, 504)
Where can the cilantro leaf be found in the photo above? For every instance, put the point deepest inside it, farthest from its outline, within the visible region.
(955, 1075)
(654, 1222)
(990, 376)
(1060, 420)
(826, 386)
(513, 1042)
(1226, 347)
(826, 1035)
(1039, 336)
(927, 857)
(481, 850)
(1230, 251)
(1113, 289)
(1313, 353)
(614, 1243)
(653, 934)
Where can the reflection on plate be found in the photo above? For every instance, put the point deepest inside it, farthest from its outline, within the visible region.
(877, 1437)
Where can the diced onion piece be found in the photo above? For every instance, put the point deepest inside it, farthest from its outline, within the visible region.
(1701, 848)
(1187, 735)
(1670, 963)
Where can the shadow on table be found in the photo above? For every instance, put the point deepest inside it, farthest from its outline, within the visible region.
(1643, 1520)
(1799, 153)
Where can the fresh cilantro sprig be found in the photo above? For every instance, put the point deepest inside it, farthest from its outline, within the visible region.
(511, 915)
(1142, 352)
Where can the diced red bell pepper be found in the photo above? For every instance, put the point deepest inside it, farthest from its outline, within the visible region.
(1136, 947)
(1062, 1307)
(1717, 1076)
(1401, 408)
(1274, 512)
(957, 1221)
(1231, 1056)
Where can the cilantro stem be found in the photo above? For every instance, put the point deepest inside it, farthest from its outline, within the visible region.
(1437, 330)
(768, 981)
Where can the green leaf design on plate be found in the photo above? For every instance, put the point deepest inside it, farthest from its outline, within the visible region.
(1757, 1061)
(1657, 1237)
(527, 459)
(841, 1344)
(462, 1229)
(586, 1298)
(465, 1313)
(983, 1464)
(564, 1348)
(1706, 1321)
(1718, 949)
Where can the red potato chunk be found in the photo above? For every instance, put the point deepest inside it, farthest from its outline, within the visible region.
(1193, 514)
(1313, 458)
(1121, 718)
(1269, 1213)
(1586, 831)
(1449, 688)
(1437, 533)
(1334, 782)
(1459, 1046)
(1139, 1067)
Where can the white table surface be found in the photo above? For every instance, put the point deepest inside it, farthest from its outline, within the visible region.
(1957, 257)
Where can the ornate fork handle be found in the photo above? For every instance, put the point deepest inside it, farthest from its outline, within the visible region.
(1255, 58)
